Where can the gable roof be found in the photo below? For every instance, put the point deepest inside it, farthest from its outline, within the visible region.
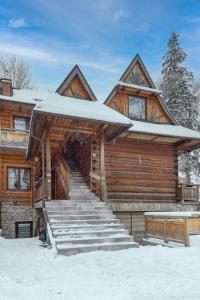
(137, 60)
(76, 71)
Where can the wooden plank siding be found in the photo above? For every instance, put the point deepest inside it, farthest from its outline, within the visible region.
(13, 160)
(119, 102)
(76, 89)
(138, 171)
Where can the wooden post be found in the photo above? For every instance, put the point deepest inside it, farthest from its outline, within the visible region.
(43, 172)
(103, 190)
(33, 184)
(48, 167)
(165, 230)
(186, 233)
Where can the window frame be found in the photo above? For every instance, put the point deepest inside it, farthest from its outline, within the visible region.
(21, 117)
(145, 105)
(18, 189)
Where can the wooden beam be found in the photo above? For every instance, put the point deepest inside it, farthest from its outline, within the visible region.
(48, 167)
(116, 133)
(74, 129)
(103, 189)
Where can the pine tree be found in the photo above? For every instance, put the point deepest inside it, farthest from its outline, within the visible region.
(177, 86)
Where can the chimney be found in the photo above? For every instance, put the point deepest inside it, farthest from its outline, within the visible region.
(5, 87)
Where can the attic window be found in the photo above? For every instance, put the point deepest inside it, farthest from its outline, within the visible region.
(137, 107)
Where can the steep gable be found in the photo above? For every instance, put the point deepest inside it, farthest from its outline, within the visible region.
(75, 85)
(136, 82)
(136, 73)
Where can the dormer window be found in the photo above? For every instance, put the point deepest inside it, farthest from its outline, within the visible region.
(137, 107)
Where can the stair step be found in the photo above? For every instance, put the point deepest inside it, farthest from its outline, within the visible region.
(69, 208)
(66, 249)
(79, 212)
(87, 227)
(85, 222)
(81, 217)
(93, 240)
(81, 233)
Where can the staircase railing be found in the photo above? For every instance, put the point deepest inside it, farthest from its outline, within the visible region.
(95, 179)
(64, 174)
(38, 190)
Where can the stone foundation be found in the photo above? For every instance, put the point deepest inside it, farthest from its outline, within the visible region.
(11, 213)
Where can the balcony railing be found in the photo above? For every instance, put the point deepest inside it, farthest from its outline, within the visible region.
(188, 192)
(13, 138)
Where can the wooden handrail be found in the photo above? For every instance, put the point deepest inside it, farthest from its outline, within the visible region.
(188, 192)
(39, 190)
(66, 165)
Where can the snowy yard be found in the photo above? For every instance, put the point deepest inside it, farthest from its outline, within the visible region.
(28, 271)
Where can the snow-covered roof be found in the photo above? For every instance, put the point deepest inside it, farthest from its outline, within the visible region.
(54, 103)
(77, 108)
(174, 214)
(26, 96)
(164, 130)
(139, 87)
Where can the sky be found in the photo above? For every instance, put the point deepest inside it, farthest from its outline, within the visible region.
(101, 37)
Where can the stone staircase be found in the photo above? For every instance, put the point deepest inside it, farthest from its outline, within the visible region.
(84, 223)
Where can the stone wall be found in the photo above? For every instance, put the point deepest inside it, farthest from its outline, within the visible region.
(11, 213)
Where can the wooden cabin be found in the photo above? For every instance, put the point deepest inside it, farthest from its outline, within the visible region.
(125, 148)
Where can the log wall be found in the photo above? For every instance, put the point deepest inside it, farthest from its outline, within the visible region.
(154, 110)
(13, 160)
(138, 171)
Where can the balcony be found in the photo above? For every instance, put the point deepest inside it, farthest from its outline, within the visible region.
(13, 138)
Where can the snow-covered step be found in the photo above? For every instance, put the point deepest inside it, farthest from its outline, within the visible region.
(83, 233)
(79, 212)
(85, 222)
(93, 240)
(77, 227)
(67, 249)
(70, 208)
(81, 217)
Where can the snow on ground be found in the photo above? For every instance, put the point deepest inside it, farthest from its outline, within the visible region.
(29, 272)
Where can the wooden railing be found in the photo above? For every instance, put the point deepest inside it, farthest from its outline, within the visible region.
(64, 173)
(95, 183)
(175, 228)
(39, 191)
(188, 192)
(13, 138)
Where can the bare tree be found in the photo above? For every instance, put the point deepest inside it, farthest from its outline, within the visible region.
(13, 68)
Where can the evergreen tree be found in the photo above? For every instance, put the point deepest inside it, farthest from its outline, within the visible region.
(177, 86)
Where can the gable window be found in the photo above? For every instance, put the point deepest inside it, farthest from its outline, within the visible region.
(19, 179)
(137, 107)
(21, 123)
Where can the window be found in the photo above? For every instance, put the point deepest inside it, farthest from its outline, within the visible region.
(21, 123)
(24, 229)
(18, 179)
(137, 107)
